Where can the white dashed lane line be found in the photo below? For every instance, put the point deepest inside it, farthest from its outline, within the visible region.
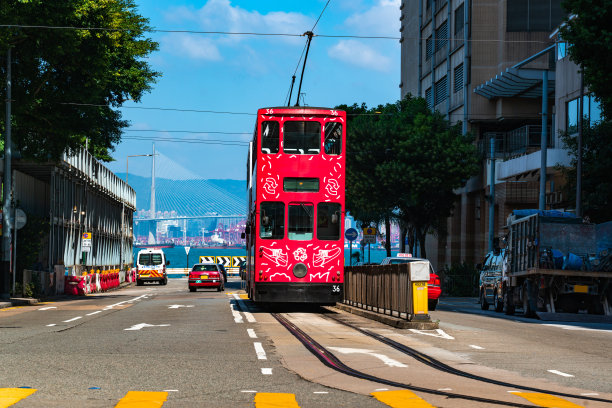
(476, 347)
(236, 314)
(266, 371)
(96, 312)
(252, 333)
(562, 374)
(259, 350)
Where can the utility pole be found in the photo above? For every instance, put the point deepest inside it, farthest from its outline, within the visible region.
(579, 158)
(492, 196)
(6, 204)
(544, 140)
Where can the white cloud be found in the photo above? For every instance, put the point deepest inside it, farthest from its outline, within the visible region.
(220, 15)
(191, 46)
(381, 19)
(357, 53)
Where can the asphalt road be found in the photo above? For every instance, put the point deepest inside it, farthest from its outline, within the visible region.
(92, 351)
(215, 349)
(528, 346)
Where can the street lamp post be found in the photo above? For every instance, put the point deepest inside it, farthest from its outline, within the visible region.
(127, 166)
(127, 163)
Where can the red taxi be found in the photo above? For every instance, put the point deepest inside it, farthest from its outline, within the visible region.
(206, 275)
(433, 285)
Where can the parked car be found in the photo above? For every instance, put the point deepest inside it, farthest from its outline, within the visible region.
(206, 275)
(242, 270)
(433, 285)
(490, 282)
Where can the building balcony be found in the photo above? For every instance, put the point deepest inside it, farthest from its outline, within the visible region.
(514, 143)
(527, 163)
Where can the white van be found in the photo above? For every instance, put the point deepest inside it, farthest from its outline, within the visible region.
(151, 267)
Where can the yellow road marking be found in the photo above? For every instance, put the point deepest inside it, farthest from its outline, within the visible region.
(10, 396)
(546, 400)
(142, 399)
(401, 399)
(11, 308)
(275, 400)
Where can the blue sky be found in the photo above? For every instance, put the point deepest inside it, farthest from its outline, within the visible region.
(240, 74)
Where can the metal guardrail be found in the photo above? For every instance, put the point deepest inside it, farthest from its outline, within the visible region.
(384, 289)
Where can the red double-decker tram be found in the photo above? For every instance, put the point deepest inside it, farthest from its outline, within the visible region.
(295, 183)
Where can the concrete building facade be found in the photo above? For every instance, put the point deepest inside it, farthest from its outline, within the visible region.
(491, 64)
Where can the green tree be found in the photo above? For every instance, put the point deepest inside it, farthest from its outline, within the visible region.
(366, 192)
(69, 82)
(596, 170)
(590, 34)
(403, 161)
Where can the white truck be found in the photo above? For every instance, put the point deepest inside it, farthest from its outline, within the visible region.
(554, 265)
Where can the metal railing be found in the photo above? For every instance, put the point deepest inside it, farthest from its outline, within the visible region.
(382, 289)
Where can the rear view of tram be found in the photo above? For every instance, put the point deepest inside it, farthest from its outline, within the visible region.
(295, 226)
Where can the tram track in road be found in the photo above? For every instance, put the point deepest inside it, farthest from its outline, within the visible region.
(438, 365)
(330, 360)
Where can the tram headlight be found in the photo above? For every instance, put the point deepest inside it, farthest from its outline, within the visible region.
(300, 270)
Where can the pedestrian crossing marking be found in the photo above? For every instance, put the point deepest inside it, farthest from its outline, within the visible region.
(11, 396)
(546, 400)
(275, 400)
(142, 399)
(401, 399)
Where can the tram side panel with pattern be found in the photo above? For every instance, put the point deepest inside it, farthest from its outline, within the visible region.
(295, 184)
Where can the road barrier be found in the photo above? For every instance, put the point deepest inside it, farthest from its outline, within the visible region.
(95, 281)
(386, 289)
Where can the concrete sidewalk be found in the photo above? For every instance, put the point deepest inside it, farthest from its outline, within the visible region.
(18, 302)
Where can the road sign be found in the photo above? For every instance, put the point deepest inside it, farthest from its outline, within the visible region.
(369, 239)
(187, 250)
(20, 218)
(369, 235)
(369, 231)
(86, 249)
(86, 239)
(351, 234)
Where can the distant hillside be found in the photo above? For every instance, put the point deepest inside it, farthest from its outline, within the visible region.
(236, 187)
(190, 197)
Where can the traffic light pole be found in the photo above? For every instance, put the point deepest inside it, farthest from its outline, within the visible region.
(6, 196)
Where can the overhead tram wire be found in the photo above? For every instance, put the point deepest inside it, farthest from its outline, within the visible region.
(188, 131)
(365, 37)
(196, 141)
(310, 35)
(160, 109)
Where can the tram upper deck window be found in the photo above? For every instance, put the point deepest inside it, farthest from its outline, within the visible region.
(333, 138)
(328, 221)
(301, 222)
(301, 137)
(272, 220)
(269, 136)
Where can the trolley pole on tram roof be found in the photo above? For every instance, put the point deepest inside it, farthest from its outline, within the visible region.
(309, 34)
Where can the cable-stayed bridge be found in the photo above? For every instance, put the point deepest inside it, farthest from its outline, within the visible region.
(175, 205)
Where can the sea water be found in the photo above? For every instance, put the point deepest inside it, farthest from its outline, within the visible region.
(179, 259)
